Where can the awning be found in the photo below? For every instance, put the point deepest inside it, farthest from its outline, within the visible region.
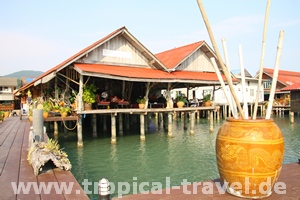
(144, 74)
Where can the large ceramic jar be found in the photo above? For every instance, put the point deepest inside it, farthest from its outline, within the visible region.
(249, 156)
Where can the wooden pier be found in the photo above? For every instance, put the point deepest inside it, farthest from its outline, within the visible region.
(15, 169)
(169, 112)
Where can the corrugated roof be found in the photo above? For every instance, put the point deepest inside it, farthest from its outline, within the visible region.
(285, 77)
(138, 73)
(86, 50)
(295, 86)
(173, 57)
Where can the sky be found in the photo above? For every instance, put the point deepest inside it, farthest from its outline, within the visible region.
(38, 35)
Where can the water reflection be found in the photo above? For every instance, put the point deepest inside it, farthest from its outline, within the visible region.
(183, 156)
(114, 158)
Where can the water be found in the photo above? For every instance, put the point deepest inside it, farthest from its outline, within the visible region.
(183, 156)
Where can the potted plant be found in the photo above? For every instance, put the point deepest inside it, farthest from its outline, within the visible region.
(181, 100)
(89, 96)
(64, 111)
(141, 102)
(206, 99)
(47, 107)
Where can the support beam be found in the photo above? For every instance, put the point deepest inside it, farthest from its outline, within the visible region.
(192, 123)
(113, 129)
(120, 124)
(292, 119)
(94, 124)
(211, 121)
(142, 127)
(185, 120)
(170, 124)
(79, 132)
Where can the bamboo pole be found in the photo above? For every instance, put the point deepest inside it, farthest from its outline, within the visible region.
(261, 60)
(218, 55)
(245, 105)
(227, 94)
(275, 75)
(229, 71)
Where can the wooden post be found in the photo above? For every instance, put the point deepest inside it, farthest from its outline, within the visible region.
(185, 121)
(142, 127)
(113, 129)
(55, 129)
(79, 132)
(94, 124)
(170, 124)
(192, 125)
(165, 120)
(211, 122)
(120, 124)
(292, 120)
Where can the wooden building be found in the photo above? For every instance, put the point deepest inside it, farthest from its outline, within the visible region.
(295, 96)
(7, 87)
(121, 66)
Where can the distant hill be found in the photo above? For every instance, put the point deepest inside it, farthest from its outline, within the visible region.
(24, 73)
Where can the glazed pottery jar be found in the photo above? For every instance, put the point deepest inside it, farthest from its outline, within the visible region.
(249, 156)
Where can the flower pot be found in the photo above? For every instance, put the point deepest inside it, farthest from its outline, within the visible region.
(87, 106)
(64, 114)
(6, 114)
(45, 115)
(180, 104)
(141, 105)
(207, 103)
(249, 154)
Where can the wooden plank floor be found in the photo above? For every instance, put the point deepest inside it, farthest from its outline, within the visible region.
(15, 169)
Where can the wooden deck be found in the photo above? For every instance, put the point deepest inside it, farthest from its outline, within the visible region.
(15, 169)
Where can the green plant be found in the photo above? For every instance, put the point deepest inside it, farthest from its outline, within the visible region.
(206, 98)
(181, 97)
(65, 109)
(141, 100)
(89, 95)
(47, 106)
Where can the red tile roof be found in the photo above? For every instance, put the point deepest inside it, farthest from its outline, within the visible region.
(173, 57)
(285, 77)
(126, 72)
(295, 86)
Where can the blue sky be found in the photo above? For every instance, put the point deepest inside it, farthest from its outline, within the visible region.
(38, 35)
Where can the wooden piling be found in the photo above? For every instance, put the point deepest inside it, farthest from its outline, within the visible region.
(170, 124)
(79, 132)
(142, 127)
(120, 124)
(211, 122)
(113, 129)
(192, 122)
(185, 120)
(292, 119)
(94, 124)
